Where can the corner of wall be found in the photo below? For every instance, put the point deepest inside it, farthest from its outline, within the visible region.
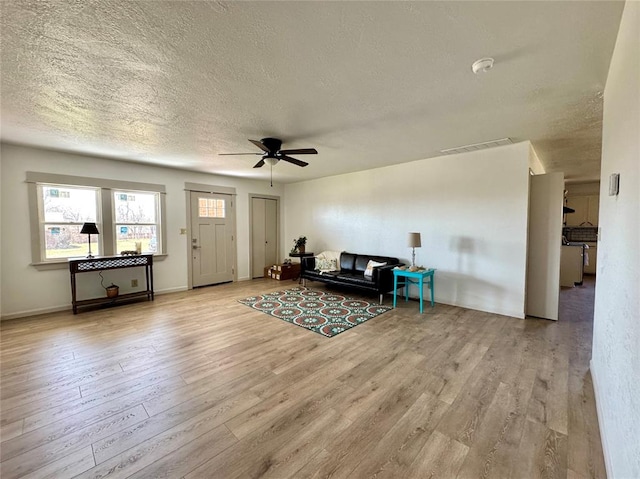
(535, 164)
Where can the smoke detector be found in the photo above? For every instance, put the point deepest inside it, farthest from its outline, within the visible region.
(481, 66)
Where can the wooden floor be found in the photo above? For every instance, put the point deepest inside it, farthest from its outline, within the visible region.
(196, 385)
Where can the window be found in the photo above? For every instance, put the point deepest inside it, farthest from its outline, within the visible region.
(211, 208)
(62, 211)
(125, 213)
(136, 220)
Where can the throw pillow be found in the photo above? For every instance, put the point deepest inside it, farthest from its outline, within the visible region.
(370, 265)
(324, 264)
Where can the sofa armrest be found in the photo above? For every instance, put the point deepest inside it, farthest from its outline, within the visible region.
(383, 276)
(307, 263)
(382, 270)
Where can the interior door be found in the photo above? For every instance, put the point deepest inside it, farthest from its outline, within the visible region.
(211, 238)
(546, 194)
(264, 234)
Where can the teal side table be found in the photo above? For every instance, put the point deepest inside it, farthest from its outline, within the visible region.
(413, 277)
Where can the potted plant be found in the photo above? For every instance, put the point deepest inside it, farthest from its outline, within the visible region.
(112, 291)
(299, 244)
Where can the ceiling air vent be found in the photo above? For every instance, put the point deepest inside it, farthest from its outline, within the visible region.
(477, 146)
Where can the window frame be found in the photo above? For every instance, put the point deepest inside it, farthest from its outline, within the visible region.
(105, 212)
(42, 222)
(157, 223)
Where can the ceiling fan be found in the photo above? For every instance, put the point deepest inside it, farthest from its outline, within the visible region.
(272, 154)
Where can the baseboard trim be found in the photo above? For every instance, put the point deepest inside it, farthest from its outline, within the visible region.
(171, 290)
(599, 413)
(36, 312)
(67, 307)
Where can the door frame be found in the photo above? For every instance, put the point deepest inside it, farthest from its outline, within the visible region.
(212, 189)
(279, 235)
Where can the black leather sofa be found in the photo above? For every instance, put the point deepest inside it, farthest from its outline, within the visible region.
(351, 273)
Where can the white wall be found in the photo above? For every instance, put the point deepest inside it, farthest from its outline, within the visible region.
(582, 189)
(471, 210)
(535, 164)
(616, 337)
(27, 290)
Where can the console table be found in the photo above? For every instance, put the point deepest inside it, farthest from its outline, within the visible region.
(101, 263)
(413, 277)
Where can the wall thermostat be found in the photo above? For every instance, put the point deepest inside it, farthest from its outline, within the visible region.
(614, 184)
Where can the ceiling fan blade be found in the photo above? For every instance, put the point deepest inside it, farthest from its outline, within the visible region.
(293, 160)
(260, 145)
(259, 164)
(300, 151)
(230, 154)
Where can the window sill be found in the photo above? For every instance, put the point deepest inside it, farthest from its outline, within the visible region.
(64, 263)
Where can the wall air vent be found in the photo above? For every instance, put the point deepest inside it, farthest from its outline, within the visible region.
(477, 146)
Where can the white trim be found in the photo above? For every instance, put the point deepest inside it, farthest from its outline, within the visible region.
(171, 290)
(67, 307)
(52, 178)
(202, 188)
(603, 434)
(35, 312)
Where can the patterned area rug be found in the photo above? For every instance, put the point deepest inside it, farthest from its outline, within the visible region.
(322, 312)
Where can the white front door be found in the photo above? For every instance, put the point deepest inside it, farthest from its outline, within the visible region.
(211, 238)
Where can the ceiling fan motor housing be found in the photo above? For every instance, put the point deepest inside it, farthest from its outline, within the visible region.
(272, 144)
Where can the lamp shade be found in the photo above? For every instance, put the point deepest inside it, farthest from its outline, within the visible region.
(414, 240)
(89, 229)
(271, 161)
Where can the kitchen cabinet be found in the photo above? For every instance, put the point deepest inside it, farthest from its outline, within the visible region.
(587, 209)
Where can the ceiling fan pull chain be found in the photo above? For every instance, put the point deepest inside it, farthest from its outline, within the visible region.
(271, 176)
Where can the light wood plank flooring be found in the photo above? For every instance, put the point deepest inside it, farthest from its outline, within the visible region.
(196, 385)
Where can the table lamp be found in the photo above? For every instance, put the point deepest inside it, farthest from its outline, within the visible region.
(89, 229)
(414, 242)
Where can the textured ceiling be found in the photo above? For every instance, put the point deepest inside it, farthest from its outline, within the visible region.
(366, 83)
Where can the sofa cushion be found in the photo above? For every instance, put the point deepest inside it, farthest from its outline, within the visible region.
(361, 263)
(357, 279)
(313, 274)
(347, 262)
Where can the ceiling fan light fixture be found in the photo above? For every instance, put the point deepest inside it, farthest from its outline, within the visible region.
(482, 66)
(271, 161)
